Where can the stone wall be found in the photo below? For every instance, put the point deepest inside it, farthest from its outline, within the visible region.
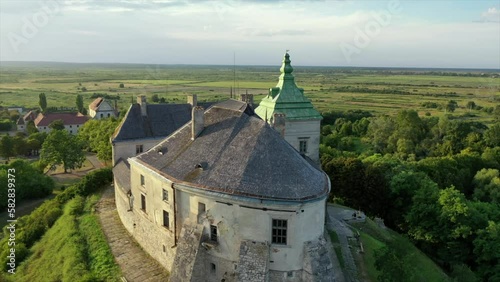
(254, 260)
(318, 266)
(155, 240)
(187, 250)
(285, 276)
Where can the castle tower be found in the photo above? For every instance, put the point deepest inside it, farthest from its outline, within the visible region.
(302, 120)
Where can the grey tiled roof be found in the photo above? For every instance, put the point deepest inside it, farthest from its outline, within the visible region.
(236, 153)
(161, 120)
(121, 172)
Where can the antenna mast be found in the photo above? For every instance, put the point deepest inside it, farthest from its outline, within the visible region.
(234, 73)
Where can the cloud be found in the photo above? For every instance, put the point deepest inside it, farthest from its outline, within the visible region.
(491, 15)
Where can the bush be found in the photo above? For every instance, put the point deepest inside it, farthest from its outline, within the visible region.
(31, 232)
(94, 180)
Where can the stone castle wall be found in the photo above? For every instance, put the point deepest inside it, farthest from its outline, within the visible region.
(155, 240)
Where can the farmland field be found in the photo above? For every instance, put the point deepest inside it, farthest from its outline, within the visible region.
(380, 91)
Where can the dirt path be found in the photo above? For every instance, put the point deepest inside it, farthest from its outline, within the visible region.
(135, 264)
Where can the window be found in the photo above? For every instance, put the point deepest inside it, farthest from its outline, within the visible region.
(201, 208)
(77, 125)
(109, 114)
(279, 231)
(143, 182)
(213, 233)
(101, 115)
(213, 268)
(165, 195)
(138, 149)
(303, 146)
(143, 202)
(166, 221)
(70, 126)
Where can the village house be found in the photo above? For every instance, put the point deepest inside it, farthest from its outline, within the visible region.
(72, 121)
(101, 108)
(231, 194)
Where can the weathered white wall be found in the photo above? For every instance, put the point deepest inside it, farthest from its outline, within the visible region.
(147, 227)
(105, 109)
(235, 223)
(126, 149)
(71, 128)
(307, 128)
(234, 218)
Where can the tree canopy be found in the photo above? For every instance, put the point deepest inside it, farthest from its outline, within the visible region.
(62, 148)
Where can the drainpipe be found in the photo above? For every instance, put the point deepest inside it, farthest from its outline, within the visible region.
(175, 216)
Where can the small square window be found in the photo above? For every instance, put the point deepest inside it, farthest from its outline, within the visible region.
(213, 233)
(143, 182)
(165, 195)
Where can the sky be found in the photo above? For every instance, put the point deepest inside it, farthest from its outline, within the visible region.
(392, 33)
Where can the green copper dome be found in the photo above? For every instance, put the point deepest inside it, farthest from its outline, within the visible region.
(287, 98)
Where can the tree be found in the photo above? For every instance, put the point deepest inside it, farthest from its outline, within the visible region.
(394, 261)
(62, 148)
(487, 185)
(79, 104)
(42, 102)
(122, 85)
(486, 247)
(155, 98)
(95, 135)
(31, 128)
(6, 147)
(20, 146)
(451, 106)
(471, 105)
(57, 124)
(492, 135)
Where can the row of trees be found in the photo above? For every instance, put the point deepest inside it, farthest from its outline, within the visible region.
(42, 103)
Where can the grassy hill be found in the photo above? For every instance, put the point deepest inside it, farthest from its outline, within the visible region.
(374, 238)
(73, 249)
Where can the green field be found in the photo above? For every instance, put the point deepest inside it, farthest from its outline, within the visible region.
(380, 91)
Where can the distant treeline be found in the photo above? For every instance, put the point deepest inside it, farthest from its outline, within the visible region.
(105, 96)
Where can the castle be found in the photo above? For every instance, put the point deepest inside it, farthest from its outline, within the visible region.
(221, 192)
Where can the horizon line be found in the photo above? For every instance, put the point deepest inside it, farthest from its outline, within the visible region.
(256, 65)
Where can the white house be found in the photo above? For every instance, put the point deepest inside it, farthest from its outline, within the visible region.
(101, 108)
(72, 121)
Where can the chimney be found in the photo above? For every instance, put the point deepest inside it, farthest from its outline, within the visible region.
(192, 100)
(197, 121)
(141, 100)
(248, 98)
(278, 123)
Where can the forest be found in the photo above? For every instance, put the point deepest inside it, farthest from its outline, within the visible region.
(434, 179)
